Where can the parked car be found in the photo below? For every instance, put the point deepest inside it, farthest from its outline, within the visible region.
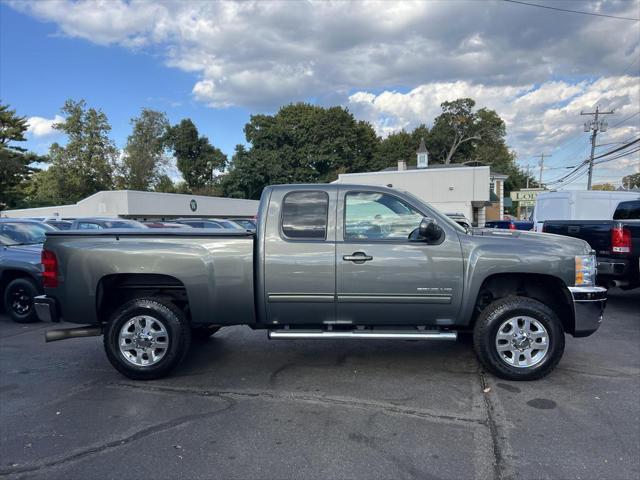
(309, 274)
(60, 224)
(215, 223)
(616, 242)
(20, 268)
(246, 223)
(460, 219)
(165, 225)
(578, 205)
(510, 224)
(97, 223)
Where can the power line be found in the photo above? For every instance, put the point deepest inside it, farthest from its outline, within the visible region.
(625, 119)
(572, 11)
(565, 179)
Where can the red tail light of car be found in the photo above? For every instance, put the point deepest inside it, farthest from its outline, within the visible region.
(50, 273)
(512, 226)
(620, 239)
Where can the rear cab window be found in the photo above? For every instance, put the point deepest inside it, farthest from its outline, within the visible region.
(305, 215)
(628, 211)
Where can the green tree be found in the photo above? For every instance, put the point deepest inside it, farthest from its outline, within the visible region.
(631, 181)
(608, 187)
(396, 147)
(399, 146)
(197, 159)
(15, 161)
(458, 130)
(143, 160)
(300, 143)
(165, 184)
(85, 164)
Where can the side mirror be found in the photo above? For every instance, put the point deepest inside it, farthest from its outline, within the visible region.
(429, 230)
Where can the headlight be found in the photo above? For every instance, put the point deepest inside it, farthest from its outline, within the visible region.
(585, 270)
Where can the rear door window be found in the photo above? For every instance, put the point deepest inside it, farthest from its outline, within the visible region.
(304, 215)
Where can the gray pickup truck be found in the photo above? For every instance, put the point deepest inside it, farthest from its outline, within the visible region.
(326, 262)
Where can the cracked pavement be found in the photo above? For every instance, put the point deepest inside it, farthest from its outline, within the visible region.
(241, 406)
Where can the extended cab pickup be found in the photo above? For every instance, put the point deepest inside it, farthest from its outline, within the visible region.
(616, 242)
(327, 262)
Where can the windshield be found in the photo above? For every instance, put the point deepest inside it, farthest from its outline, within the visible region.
(23, 233)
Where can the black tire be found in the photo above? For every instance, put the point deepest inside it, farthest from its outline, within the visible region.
(203, 333)
(486, 330)
(18, 300)
(178, 337)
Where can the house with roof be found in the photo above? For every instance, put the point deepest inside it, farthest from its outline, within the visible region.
(475, 191)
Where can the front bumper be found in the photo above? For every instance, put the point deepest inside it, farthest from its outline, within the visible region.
(46, 309)
(588, 308)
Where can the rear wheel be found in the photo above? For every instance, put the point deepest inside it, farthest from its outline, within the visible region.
(518, 338)
(146, 338)
(18, 300)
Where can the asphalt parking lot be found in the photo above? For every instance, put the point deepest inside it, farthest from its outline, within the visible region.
(242, 406)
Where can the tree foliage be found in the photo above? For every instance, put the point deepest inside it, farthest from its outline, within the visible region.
(607, 187)
(301, 143)
(15, 161)
(458, 130)
(399, 146)
(631, 181)
(143, 161)
(84, 165)
(197, 159)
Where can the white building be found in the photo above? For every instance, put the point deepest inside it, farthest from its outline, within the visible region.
(144, 206)
(474, 191)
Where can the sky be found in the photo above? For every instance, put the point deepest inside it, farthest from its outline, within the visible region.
(390, 63)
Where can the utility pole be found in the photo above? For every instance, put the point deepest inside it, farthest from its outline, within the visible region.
(541, 163)
(594, 126)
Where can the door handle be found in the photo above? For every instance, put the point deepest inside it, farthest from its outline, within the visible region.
(357, 257)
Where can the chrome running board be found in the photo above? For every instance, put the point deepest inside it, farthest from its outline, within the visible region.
(374, 335)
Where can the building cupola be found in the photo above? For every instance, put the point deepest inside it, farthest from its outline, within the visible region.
(423, 155)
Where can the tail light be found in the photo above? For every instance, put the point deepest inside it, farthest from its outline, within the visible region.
(50, 273)
(512, 226)
(620, 239)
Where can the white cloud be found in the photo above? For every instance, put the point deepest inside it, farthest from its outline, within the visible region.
(392, 63)
(260, 54)
(538, 118)
(42, 127)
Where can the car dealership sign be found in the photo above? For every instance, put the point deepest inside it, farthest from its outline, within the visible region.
(526, 197)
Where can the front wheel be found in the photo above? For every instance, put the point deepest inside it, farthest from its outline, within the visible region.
(518, 338)
(146, 338)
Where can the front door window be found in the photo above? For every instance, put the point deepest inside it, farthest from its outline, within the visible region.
(373, 216)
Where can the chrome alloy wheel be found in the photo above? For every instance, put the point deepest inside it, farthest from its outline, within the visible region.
(143, 340)
(522, 342)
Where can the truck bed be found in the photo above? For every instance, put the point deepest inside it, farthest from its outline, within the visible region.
(214, 269)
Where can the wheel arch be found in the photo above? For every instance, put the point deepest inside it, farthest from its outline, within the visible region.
(114, 290)
(10, 274)
(548, 289)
